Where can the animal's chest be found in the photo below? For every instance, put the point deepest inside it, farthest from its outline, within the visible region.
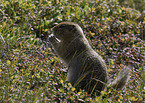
(76, 68)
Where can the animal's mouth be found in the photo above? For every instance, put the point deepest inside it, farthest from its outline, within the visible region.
(53, 35)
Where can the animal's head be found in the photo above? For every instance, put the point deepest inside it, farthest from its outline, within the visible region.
(67, 30)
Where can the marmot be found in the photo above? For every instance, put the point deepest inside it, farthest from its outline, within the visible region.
(86, 69)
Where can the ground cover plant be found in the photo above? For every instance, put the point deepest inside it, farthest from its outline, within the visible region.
(30, 71)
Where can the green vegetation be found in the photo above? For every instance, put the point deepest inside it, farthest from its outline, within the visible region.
(27, 58)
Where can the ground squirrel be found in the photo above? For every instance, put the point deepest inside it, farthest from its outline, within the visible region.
(86, 69)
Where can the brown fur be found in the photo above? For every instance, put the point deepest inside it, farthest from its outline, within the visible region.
(86, 69)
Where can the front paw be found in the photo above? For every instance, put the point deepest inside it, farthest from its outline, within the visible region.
(53, 39)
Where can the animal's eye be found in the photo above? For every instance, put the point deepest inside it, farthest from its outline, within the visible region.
(61, 26)
(71, 27)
